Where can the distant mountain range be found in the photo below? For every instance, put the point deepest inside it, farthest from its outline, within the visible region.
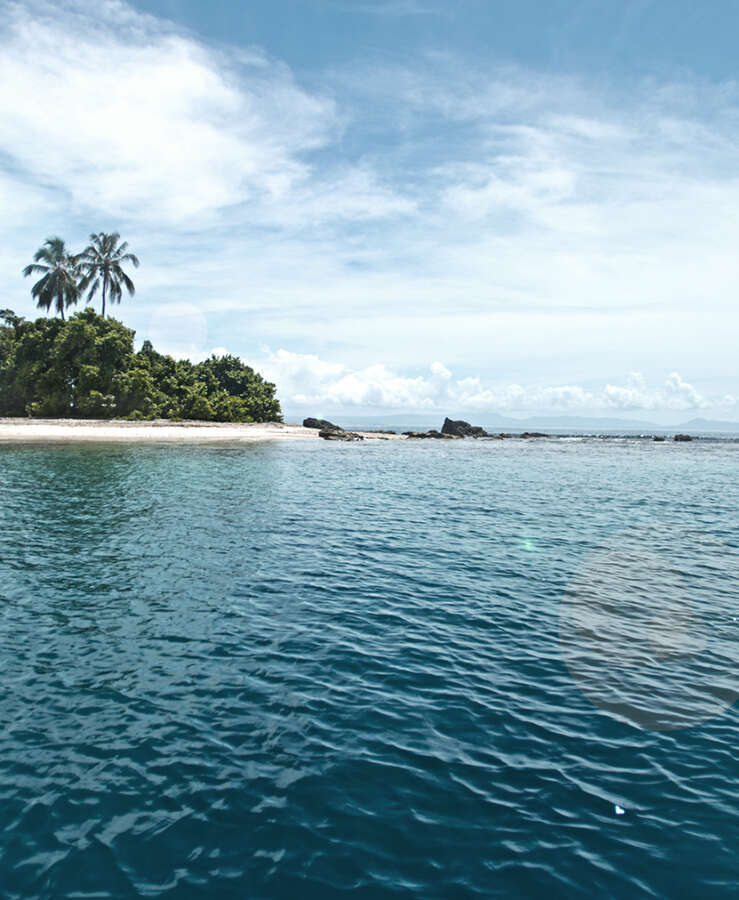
(493, 422)
(711, 425)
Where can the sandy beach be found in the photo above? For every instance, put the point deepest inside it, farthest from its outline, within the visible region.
(158, 431)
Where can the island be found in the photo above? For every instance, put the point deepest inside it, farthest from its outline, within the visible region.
(85, 367)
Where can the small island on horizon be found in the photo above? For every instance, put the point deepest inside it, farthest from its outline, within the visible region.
(85, 366)
(80, 378)
(83, 371)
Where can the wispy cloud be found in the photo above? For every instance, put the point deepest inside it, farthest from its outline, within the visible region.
(526, 229)
(129, 117)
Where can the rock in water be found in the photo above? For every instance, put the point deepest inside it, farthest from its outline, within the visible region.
(339, 435)
(433, 433)
(321, 425)
(462, 429)
(683, 437)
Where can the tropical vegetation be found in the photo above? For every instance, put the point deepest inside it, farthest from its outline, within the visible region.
(60, 280)
(66, 277)
(101, 265)
(85, 366)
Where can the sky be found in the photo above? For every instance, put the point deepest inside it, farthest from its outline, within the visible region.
(467, 207)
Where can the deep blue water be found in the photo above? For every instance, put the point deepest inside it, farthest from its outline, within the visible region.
(295, 670)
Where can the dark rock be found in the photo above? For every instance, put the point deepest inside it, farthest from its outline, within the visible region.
(658, 438)
(340, 435)
(321, 425)
(433, 433)
(534, 434)
(462, 429)
(683, 437)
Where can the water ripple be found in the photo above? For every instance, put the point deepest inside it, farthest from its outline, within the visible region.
(393, 669)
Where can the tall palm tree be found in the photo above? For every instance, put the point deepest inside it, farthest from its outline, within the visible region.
(59, 282)
(101, 265)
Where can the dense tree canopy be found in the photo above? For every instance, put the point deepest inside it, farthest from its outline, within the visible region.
(86, 367)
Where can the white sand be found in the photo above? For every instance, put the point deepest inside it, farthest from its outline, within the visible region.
(160, 430)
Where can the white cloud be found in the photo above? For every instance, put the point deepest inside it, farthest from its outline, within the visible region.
(681, 395)
(304, 380)
(178, 329)
(128, 116)
(525, 228)
(675, 394)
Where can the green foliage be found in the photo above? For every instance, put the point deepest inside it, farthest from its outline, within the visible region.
(65, 277)
(86, 367)
(60, 276)
(101, 267)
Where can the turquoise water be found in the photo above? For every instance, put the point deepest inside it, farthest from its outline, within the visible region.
(295, 670)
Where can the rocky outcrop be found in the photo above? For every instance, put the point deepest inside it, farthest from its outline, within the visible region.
(321, 425)
(433, 433)
(683, 437)
(658, 439)
(455, 430)
(462, 429)
(338, 434)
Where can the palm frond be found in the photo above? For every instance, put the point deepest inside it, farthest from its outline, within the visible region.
(33, 268)
(52, 250)
(41, 286)
(100, 267)
(61, 273)
(128, 284)
(90, 283)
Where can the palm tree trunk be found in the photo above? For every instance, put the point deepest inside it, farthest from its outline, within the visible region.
(60, 303)
(105, 285)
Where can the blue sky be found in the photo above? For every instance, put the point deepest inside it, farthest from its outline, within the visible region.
(628, 38)
(417, 206)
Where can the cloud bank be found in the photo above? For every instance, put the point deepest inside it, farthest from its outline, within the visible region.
(305, 381)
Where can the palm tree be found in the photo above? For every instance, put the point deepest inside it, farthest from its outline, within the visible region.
(59, 281)
(101, 265)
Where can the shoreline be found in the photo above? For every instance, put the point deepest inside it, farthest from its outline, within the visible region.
(157, 431)
(165, 431)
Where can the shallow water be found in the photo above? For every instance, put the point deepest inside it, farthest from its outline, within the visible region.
(291, 670)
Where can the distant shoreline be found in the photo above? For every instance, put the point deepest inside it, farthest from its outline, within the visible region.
(27, 430)
(157, 431)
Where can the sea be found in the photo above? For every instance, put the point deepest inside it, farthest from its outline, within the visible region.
(433, 669)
